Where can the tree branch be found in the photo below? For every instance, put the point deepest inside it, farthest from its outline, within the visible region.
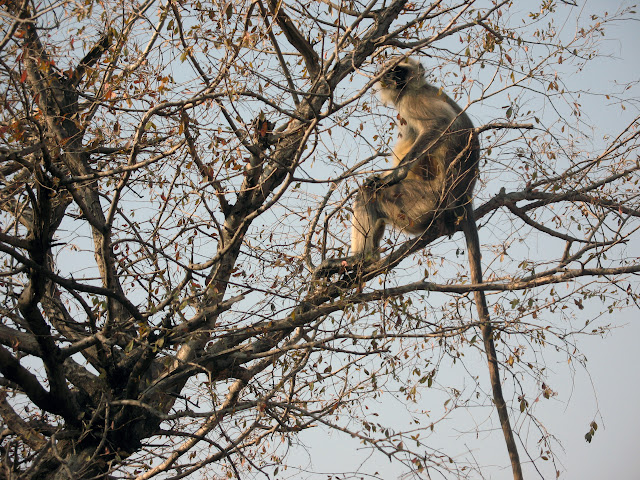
(18, 426)
(12, 370)
(295, 38)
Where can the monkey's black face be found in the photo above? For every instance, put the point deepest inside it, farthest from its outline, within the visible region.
(397, 77)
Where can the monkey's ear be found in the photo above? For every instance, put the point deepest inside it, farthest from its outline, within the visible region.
(421, 70)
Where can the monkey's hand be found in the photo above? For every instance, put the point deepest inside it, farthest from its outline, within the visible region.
(374, 182)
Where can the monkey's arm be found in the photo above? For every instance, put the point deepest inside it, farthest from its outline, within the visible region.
(431, 132)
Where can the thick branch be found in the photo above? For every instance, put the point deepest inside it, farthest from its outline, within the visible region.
(295, 38)
(22, 341)
(91, 58)
(18, 426)
(12, 370)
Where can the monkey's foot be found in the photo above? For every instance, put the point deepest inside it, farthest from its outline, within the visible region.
(343, 266)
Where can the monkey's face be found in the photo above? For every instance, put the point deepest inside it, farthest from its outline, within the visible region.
(408, 73)
(397, 78)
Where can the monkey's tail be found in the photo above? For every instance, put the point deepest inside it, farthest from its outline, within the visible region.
(473, 249)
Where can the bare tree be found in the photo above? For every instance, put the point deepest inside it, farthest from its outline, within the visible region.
(173, 173)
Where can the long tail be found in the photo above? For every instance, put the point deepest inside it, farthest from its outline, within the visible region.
(473, 249)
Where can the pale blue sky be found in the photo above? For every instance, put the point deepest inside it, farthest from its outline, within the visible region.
(614, 452)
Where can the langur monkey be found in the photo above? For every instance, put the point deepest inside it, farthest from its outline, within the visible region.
(435, 168)
(435, 161)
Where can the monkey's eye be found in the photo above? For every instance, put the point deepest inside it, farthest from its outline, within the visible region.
(398, 75)
(402, 70)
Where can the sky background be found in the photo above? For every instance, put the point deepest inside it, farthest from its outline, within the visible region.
(611, 391)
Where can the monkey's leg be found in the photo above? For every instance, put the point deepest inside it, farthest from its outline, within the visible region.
(410, 205)
(367, 224)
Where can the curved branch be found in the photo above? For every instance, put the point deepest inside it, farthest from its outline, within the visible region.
(12, 370)
(295, 38)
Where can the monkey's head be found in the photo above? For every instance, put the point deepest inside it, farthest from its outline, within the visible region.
(400, 77)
